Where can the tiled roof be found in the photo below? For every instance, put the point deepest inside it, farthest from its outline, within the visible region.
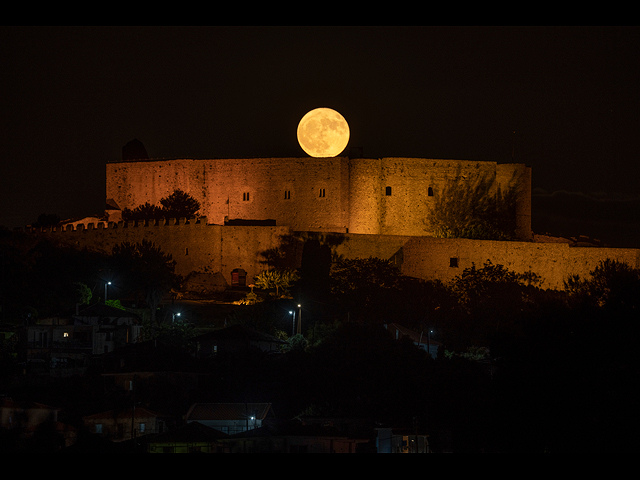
(227, 411)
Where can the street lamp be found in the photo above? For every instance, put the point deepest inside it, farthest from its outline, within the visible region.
(105, 291)
(293, 322)
(173, 319)
(299, 319)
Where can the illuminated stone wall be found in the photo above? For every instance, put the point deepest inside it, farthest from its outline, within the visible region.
(386, 196)
(444, 259)
(394, 196)
(201, 247)
(193, 244)
(362, 207)
(304, 194)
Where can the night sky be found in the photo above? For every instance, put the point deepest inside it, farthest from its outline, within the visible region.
(565, 101)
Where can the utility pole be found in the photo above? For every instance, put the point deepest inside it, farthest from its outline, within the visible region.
(293, 322)
(133, 414)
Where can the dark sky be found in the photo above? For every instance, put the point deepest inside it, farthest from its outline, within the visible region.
(565, 101)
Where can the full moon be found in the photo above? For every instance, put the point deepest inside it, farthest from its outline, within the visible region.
(323, 132)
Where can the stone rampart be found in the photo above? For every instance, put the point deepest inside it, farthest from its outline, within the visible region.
(201, 247)
(194, 244)
(444, 259)
(380, 196)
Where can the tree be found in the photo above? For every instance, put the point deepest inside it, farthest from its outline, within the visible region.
(367, 288)
(145, 270)
(46, 220)
(115, 304)
(480, 210)
(611, 285)
(83, 293)
(177, 334)
(491, 302)
(46, 274)
(295, 343)
(142, 212)
(178, 204)
(277, 279)
(488, 284)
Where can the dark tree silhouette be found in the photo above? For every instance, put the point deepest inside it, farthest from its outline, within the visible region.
(145, 271)
(46, 220)
(142, 212)
(480, 210)
(367, 288)
(178, 204)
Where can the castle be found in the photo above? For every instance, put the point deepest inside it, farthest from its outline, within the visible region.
(383, 196)
(361, 207)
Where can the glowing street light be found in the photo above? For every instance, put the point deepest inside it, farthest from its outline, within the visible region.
(173, 318)
(299, 330)
(105, 291)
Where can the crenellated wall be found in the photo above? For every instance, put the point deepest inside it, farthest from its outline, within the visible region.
(194, 244)
(201, 247)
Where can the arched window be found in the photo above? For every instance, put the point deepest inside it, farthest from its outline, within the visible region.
(430, 192)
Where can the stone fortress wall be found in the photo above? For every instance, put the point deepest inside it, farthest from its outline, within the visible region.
(201, 247)
(195, 245)
(384, 196)
(361, 207)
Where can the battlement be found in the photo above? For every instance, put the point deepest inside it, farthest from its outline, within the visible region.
(200, 247)
(105, 225)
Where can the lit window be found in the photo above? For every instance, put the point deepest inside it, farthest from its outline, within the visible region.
(141, 427)
(388, 191)
(98, 428)
(65, 334)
